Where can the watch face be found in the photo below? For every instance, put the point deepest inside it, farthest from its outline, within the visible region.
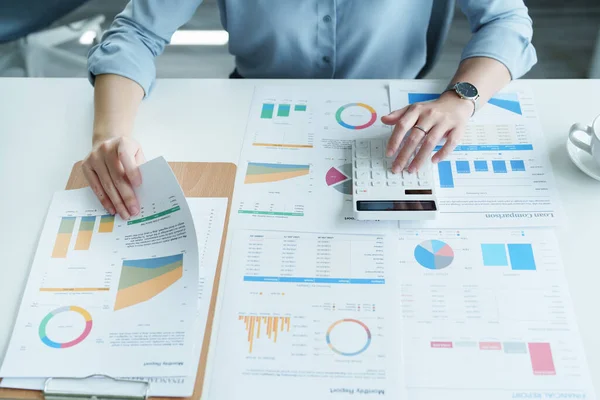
(467, 90)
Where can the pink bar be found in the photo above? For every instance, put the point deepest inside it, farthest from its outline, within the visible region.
(490, 346)
(441, 345)
(541, 359)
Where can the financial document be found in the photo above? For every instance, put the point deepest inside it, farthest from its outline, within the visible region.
(102, 289)
(209, 220)
(295, 168)
(309, 315)
(487, 314)
(500, 174)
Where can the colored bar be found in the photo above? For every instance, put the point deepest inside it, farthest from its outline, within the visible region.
(541, 359)
(275, 213)
(515, 348)
(481, 166)
(84, 236)
(154, 216)
(490, 147)
(494, 255)
(293, 279)
(441, 345)
(445, 172)
(499, 166)
(283, 110)
(300, 107)
(517, 165)
(63, 238)
(74, 289)
(267, 111)
(287, 146)
(521, 257)
(462, 167)
(107, 224)
(490, 346)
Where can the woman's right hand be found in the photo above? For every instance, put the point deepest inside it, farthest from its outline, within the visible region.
(112, 170)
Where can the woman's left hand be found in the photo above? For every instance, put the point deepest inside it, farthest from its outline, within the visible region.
(445, 117)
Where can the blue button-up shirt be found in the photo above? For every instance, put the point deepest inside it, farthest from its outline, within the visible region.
(383, 39)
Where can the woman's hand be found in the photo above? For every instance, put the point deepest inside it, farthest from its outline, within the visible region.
(442, 118)
(112, 171)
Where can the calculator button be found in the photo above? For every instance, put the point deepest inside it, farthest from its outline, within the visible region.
(376, 183)
(361, 191)
(377, 175)
(362, 153)
(393, 183)
(376, 148)
(393, 176)
(362, 144)
(377, 164)
(361, 183)
(362, 163)
(362, 175)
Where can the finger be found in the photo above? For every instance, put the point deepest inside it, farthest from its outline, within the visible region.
(434, 137)
(407, 150)
(452, 140)
(394, 116)
(127, 151)
(117, 173)
(110, 189)
(140, 158)
(96, 186)
(404, 125)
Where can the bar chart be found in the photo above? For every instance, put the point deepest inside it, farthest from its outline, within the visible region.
(283, 110)
(519, 256)
(449, 171)
(63, 237)
(272, 327)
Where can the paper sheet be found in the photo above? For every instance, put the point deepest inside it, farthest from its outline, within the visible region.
(295, 169)
(110, 296)
(309, 315)
(487, 314)
(500, 174)
(209, 219)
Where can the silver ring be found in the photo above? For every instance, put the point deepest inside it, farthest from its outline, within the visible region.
(421, 129)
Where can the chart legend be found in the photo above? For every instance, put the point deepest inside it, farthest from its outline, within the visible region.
(271, 326)
(265, 172)
(65, 326)
(63, 238)
(143, 279)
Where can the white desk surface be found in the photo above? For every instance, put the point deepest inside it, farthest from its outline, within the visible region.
(45, 126)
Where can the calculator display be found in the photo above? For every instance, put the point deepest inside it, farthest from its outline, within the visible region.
(398, 205)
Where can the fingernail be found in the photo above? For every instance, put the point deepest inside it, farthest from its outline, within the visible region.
(125, 216)
(134, 210)
(111, 211)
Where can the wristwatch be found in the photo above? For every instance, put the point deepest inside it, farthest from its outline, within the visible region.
(465, 91)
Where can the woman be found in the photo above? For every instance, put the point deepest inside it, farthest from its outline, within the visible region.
(317, 39)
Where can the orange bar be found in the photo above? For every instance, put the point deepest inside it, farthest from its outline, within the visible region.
(293, 146)
(84, 239)
(74, 289)
(288, 324)
(251, 333)
(61, 246)
(275, 330)
(248, 330)
(258, 328)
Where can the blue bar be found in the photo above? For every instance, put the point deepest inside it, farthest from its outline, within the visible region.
(494, 255)
(445, 172)
(481, 166)
(517, 165)
(521, 257)
(491, 147)
(292, 279)
(499, 166)
(462, 167)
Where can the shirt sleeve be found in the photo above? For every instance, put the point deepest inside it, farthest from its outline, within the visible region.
(137, 36)
(502, 30)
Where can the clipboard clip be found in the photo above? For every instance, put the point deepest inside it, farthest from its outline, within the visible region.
(95, 387)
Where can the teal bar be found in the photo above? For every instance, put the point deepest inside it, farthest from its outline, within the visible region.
(283, 110)
(300, 107)
(267, 111)
(276, 213)
(154, 216)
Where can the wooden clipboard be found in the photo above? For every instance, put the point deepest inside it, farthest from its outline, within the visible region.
(196, 180)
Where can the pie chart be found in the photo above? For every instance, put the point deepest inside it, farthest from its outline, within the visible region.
(340, 178)
(434, 254)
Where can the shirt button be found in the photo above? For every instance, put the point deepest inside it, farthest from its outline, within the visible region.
(326, 59)
(327, 18)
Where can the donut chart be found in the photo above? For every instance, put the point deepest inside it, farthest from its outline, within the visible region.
(56, 345)
(346, 124)
(348, 353)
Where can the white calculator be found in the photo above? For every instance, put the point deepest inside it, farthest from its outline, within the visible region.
(379, 194)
